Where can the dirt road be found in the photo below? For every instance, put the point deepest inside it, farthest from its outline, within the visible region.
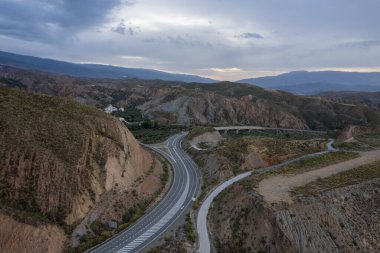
(276, 188)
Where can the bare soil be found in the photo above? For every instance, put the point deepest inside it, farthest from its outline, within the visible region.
(276, 189)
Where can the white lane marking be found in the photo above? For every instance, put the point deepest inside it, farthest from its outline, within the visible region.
(172, 212)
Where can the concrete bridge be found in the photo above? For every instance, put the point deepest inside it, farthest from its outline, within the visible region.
(225, 129)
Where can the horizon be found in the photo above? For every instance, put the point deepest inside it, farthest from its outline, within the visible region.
(375, 70)
(216, 39)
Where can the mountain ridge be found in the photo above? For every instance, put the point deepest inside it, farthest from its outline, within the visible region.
(92, 70)
(224, 103)
(301, 81)
(60, 162)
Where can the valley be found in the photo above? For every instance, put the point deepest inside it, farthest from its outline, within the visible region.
(198, 147)
(136, 126)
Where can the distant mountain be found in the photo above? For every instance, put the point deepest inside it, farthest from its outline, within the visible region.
(92, 70)
(304, 82)
(316, 88)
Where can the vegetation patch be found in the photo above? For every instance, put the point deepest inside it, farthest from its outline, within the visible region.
(101, 231)
(170, 245)
(368, 141)
(13, 83)
(153, 132)
(191, 235)
(287, 135)
(199, 130)
(130, 114)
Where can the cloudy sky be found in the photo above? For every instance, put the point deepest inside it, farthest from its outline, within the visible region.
(221, 39)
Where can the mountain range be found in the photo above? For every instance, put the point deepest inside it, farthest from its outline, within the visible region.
(223, 103)
(305, 82)
(92, 70)
(297, 82)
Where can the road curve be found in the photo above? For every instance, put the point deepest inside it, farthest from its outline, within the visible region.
(204, 241)
(184, 188)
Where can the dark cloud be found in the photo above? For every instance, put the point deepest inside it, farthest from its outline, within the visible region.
(120, 28)
(249, 36)
(210, 34)
(123, 29)
(366, 44)
(49, 20)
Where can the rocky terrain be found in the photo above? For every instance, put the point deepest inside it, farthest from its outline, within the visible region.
(60, 163)
(359, 138)
(238, 153)
(371, 99)
(338, 213)
(341, 220)
(223, 103)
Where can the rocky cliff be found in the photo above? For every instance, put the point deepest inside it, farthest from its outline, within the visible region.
(58, 159)
(339, 220)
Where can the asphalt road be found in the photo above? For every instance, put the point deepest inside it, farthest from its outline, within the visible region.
(184, 188)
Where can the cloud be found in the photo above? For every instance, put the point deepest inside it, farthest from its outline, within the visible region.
(120, 28)
(366, 44)
(226, 70)
(249, 36)
(45, 20)
(199, 37)
(133, 58)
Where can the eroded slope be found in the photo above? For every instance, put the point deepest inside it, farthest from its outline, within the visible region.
(58, 159)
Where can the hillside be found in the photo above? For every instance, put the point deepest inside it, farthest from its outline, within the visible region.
(223, 103)
(59, 163)
(92, 70)
(222, 158)
(320, 87)
(304, 82)
(371, 99)
(323, 203)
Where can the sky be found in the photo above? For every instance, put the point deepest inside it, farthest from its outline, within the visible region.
(220, 39)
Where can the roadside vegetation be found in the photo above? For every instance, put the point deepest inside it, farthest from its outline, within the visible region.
(199, 130)
(279, 134)
(101, 231)
(153, 132)
(189, 228)
(349, 177)
(170, 245)
(363, 142)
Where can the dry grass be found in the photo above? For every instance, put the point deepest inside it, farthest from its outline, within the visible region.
(42, 138)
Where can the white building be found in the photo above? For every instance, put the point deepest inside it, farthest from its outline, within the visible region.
(110, 109)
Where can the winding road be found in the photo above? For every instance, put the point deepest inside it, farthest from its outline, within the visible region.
(204, 241)
(184, 187)
(183, 190)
